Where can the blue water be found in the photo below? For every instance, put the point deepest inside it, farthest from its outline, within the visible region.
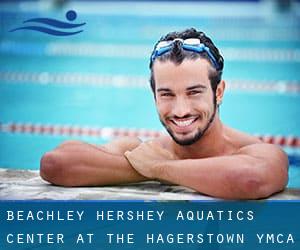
(28, 101)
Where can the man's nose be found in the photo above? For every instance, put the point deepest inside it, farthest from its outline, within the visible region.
(181, 107)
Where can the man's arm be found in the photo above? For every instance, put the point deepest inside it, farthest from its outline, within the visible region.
(256, 171)
(76, 163)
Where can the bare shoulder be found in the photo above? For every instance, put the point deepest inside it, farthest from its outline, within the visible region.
(121, 145)
(239, 138)
(253, 146)
(265, 151)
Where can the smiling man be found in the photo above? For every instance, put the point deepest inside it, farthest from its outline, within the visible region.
(200, 152)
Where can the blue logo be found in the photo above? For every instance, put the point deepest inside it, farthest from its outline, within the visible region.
(70, 15)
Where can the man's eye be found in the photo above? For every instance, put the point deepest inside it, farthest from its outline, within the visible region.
(166, 94)
(194, 92)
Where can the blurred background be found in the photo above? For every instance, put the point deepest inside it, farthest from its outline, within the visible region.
(93, 85)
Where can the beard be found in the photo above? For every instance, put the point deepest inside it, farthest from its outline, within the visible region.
(197, 136)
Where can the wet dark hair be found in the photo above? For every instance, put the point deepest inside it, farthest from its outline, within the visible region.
(177, 55)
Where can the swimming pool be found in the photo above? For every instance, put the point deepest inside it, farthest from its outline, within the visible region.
(94, 85)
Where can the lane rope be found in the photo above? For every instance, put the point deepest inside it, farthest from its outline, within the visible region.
(121, 81)
(139, 51)
(109, 132)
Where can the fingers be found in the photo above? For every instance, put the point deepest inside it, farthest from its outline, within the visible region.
(128, 156)
(154, 144)
(136, 162)
(149, 150)
(157, 148)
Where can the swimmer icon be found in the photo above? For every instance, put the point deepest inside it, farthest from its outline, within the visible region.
(71, 15)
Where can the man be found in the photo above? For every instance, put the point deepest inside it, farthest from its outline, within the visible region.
(200, 151)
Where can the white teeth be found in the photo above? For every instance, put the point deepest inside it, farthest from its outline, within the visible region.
(184, 123)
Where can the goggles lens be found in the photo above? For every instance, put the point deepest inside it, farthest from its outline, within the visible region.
(190, 44)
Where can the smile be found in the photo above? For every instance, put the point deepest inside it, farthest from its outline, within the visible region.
(183, 123)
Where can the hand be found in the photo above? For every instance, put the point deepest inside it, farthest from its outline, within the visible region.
(145, 158)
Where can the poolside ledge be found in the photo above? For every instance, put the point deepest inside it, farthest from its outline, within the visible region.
(27, 185)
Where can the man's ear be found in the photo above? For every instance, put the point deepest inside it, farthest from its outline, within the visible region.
(220, 92)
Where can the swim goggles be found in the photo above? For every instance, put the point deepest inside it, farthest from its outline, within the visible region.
(190, 44)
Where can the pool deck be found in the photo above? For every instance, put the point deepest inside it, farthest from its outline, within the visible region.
(27, 185)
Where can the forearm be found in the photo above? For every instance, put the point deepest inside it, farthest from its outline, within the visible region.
(86, 165)
(240, 177)
(111, 170)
